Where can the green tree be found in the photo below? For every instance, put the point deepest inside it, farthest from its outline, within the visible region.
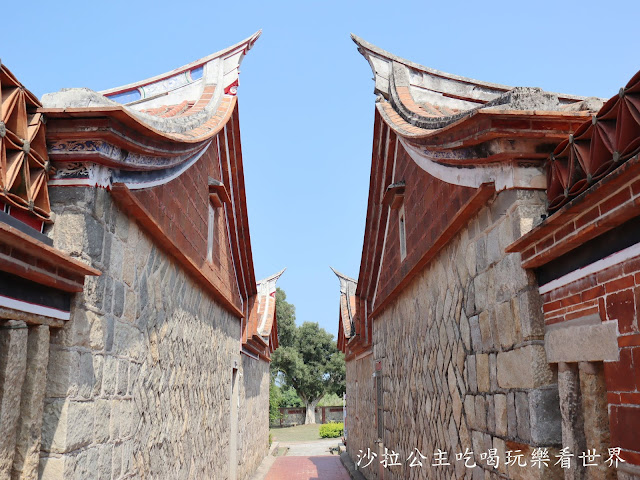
(307, 357)
(281, 396)
(286, 318)
(289, 397)
(330, 400)
(275, 401)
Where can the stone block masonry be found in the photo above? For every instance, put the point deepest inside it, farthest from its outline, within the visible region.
(13, 365)
(361, 410)
(139, 381)
(462, 354)
(254, 416)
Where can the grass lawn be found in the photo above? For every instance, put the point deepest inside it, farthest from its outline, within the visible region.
(300, 433)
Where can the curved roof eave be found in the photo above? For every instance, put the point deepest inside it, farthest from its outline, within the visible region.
(247, 44)
(372, 52)
(469, 132)
(203, 105)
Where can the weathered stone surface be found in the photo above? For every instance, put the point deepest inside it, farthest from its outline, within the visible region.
(494, 252)
(493, 371)
(139, 378)
(595, 413)
(75, 333)
(63, 365)
(500, 402)
(27, 454)
(472, 373)
(481, 413)
(491, 414)
(470, 410)
(505, 325)
(482, 371)
(512, 419)
(544, 417)
(484, 319)
(463, 363)
(522, 414)
(254, 416)
(528, 316)
(572, 416)
(583, 343)
(13, 365)
(57, 468)
(67, 426)
(524, 367)
(476, 334)
(510, 277)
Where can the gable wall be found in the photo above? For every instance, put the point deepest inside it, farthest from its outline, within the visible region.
(180, 208)
(462, 355)
(429, 205)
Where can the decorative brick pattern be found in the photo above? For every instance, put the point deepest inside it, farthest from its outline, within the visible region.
(596, 148)
(607, 204)
(24, 163)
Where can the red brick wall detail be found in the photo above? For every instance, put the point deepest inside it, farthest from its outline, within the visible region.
(613, 201)
(613, 294)
(429, 206)
(180, 208)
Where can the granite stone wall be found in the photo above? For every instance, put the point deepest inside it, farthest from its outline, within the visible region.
(361, 412)
(139, 380)
(463, 359)
(253, 443)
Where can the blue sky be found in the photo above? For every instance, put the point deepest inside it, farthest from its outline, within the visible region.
(306, 95)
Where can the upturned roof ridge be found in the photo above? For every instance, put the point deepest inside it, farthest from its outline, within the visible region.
(249, 41)
(342, 275)
(364, 46)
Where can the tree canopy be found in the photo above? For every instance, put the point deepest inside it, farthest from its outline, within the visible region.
(307, 357)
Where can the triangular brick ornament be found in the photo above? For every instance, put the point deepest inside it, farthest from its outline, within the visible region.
(14, 167)
(19, 190)
(24, 162)
(36, 137)
(9, 99)
(598, 147)
(41, 204)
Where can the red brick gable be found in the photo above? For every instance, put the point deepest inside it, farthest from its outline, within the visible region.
(180, 208)
(169, 149)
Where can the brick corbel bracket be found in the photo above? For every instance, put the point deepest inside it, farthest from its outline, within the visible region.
(394, 195)
(218, 194)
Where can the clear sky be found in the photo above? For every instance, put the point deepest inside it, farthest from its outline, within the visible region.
(306, 95)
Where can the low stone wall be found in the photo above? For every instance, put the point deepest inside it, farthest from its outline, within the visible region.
(295, 416)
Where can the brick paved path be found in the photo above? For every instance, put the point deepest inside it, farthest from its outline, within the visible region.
(308, 468)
